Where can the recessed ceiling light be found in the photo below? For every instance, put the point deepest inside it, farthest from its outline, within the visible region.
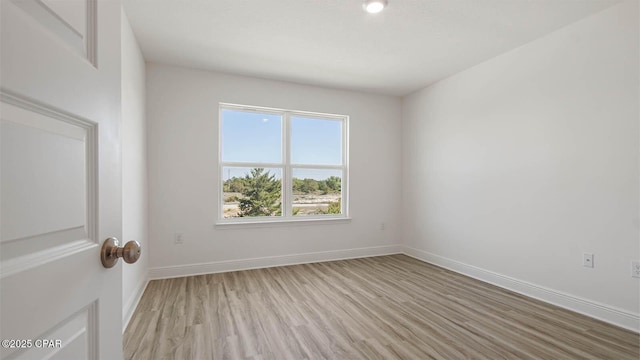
(374, 6)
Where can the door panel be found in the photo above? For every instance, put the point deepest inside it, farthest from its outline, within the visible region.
(72, 22)
(47, 183)
(50, 180)
(60, 178)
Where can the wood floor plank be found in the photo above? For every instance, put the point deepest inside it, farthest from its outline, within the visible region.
(388, 307)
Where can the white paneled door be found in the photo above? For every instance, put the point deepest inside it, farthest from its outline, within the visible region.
(60, 179)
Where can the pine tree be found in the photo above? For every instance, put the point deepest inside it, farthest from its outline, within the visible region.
(262, 194)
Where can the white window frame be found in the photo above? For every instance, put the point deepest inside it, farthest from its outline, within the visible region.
(286, 167)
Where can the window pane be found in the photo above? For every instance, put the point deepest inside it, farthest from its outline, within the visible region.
(317, 192)
(316, 141)
(251, 137)
(251, 192)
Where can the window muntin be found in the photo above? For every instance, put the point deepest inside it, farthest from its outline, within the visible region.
(304, 155)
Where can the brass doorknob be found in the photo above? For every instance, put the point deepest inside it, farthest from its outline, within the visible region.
(111, 251)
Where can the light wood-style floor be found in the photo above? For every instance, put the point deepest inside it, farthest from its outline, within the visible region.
(388, 307)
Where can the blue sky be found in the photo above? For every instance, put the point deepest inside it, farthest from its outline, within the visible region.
(255, 137)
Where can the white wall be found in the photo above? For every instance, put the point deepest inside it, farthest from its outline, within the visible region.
(182, 112)
(518, 166)
(134, 168)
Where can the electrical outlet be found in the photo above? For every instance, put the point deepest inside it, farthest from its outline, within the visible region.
(178, 238)
(587, 260)
(635, 269)
(382, 226)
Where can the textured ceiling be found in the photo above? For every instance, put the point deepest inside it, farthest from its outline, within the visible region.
(334, 43)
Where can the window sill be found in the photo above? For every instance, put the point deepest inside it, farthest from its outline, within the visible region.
(224, 225)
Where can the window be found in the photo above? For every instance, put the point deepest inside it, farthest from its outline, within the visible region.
(281, 165)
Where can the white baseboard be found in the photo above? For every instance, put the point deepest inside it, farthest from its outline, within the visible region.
(132, 303)
(618, 317)
(271, 261)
